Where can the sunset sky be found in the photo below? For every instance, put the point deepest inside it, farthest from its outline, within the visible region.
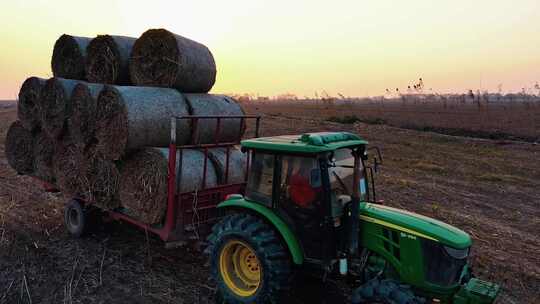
(356, 47)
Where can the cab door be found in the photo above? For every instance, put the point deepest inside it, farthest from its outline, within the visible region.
(301, 198)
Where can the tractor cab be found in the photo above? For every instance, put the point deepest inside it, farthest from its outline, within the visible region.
(310, 181)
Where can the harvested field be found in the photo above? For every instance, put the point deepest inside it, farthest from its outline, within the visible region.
(505, 119)
(488, 188)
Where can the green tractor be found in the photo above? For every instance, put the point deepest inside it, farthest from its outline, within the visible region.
(309, 207)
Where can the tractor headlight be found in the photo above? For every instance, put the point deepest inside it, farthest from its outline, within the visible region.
(457, 253)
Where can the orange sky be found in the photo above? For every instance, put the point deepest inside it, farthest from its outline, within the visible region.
(354, 47)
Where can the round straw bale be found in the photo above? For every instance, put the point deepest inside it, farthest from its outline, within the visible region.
(208, 104)
(143, 186)
(191, 177)
(29, 99)
(44, 149)
(67, 162)
(100, 181)
(237, 164)
(19, 146)
(56, 105)
(69, 57)
(82, 123)
(108, 59)
(164, 59)
(132, 117)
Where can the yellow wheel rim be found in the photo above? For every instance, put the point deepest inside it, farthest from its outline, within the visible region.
(239, 268)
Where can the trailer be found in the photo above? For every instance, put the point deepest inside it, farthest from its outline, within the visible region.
(189, 215)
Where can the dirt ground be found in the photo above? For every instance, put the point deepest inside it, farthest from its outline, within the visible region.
(488, 188)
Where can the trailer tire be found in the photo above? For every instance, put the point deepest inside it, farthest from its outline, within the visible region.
(249, 262)
(76, 218)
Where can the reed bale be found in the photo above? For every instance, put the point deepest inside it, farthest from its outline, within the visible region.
(100, 181)
(237, 164)
(143, 186)
(28, 105)
(56, 105)
(129, 118)
(108, 59)
(191, 177)
(162, 58)
(210, 104)
(67, 162)
(44, 150)
(18, 147)
(69, 57)
(82, 123)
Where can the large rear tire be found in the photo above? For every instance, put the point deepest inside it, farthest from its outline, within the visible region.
(248, 260)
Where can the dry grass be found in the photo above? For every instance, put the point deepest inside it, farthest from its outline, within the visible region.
(501, 120)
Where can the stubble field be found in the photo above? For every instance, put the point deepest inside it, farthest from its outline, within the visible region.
(488, 188)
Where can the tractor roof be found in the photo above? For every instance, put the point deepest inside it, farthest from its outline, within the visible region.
(305, 143)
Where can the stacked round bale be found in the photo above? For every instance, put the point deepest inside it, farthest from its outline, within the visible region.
(106, 143)
(133, 126)
(29, 150)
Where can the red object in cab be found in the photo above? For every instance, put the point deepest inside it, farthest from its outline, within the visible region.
(301, 191)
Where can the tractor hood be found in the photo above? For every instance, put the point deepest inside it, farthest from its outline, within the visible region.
(415, 224)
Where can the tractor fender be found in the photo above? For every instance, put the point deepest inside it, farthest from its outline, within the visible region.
(279, 224)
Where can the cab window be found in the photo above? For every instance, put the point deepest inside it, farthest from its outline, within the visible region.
(341, 171)
(300, 181)
(259, 185)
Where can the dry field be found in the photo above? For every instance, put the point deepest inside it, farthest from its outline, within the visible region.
(495, 120)
(488, 188)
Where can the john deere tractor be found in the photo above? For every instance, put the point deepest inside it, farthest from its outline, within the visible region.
(310, 207)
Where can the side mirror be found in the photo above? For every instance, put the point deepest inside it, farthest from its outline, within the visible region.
(378, 159)
(378, 151)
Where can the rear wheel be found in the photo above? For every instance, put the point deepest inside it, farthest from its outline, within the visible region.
(248, 260)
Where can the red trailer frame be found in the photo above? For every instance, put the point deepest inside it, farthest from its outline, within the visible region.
(189, 215)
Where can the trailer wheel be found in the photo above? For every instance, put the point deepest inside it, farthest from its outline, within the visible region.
(248, 260)
(76, 218)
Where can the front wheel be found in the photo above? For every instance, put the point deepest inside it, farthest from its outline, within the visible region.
(248, 260)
